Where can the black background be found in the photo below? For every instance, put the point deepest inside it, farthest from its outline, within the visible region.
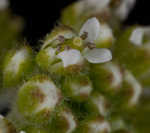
(41, 15)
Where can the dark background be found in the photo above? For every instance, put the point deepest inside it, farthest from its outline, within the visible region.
(41, 15)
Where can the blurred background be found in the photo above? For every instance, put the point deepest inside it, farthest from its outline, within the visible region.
(40, 16)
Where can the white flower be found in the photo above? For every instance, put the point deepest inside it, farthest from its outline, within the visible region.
(97, 55)
(70, 57)
(123, 10)
(3, 4)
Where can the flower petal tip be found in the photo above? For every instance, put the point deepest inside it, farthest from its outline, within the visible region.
(98, 55)
(92, 28)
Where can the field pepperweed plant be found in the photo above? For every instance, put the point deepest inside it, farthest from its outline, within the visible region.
(91, 74)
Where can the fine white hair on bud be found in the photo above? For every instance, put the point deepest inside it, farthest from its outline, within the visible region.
(137, 36)
(70, 57)
(98, 55)
(125, 7)
(92, 28)
(3, 4)
(44, 96)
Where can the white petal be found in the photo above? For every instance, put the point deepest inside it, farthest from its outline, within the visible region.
(123, 10)
(92, 27)
(137, 36)
(70, 57)
(3, 4)
(105, 33)
(98, 55)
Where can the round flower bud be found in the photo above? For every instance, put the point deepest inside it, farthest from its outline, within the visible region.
(98, 104)
(97, 125)
(77, 87)
(18, 64)
(107, 77)
(130, 91)
(6, 126)
(64, 122)
(38, 98)
(57, 36)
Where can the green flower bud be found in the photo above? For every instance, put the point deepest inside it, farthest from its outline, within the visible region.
(130, 91)
(18, 64)
(6, 126)
(77, 87)
(97, 125)
(38, 98)
(64, 122)
(98, 104)
(118, 124)
(107, 77)
(57, 36)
